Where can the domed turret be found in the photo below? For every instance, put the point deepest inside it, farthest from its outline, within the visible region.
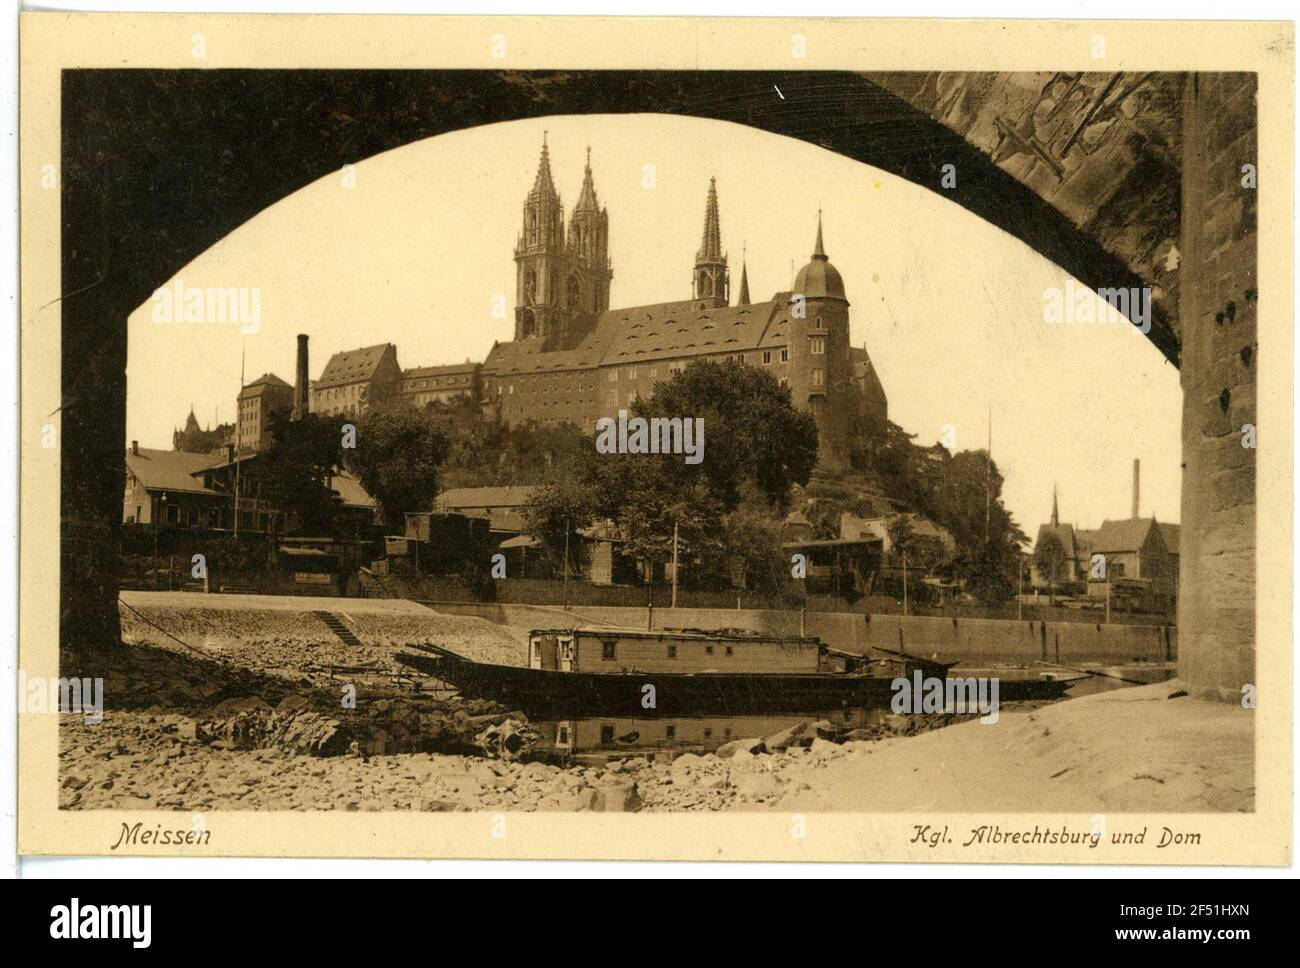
(819, 279)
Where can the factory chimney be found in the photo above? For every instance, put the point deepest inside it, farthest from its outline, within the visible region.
(1137, 477)
(301, 382)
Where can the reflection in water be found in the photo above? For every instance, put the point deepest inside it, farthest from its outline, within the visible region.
(597, 737)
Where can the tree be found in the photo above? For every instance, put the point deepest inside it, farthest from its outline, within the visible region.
(1049, 559)
(295, 472)
(398, 450)
(752, 540)
(756, 445)
(990, 575)
(752, 430)
(899, 529)
(483, 451)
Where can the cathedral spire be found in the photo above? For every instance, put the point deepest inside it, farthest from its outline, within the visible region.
(711, 283)
(711, 246)
(544, 183)
(744, 282)
(587, 197)
(819, 251)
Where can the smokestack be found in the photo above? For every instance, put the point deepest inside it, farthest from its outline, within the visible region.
(135, 448)
(301, 407)
(1137, 480)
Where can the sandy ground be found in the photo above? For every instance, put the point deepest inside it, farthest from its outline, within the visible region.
(1125, 750)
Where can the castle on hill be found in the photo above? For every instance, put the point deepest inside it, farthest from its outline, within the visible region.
(574, 359)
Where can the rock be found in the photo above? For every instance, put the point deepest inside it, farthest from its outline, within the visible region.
(686, 762)
(291, 704)
(617, 798)
(537, 772)
(508, 740)
(242, 704)
(799, 735)
(825, 749)
(756, 786)
(439, 806)
(751, 746)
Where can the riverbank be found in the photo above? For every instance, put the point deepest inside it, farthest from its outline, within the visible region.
(1127, 750)
(254, 714)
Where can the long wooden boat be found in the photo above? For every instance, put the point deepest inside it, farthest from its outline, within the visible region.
(676, 671)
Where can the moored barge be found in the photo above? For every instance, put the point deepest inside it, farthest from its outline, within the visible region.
(690, 670)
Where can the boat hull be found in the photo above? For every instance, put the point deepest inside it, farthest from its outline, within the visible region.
(537, 691)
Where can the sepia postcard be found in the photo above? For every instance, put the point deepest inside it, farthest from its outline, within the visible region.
(650, 438)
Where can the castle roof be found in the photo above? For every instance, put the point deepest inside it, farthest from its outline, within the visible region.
(353, 366)
(659, 331)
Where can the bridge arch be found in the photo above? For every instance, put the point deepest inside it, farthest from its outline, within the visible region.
(159, 165)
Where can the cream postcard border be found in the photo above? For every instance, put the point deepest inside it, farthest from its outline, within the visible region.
(50, 42)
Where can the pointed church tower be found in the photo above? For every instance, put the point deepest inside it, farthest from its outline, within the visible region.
(586, 289)
(540, 258)
(711, 283)
(744, 283)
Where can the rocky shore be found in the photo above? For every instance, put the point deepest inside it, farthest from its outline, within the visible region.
(274, 712)
(157, 760)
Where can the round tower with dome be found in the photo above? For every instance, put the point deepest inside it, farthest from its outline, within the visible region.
(821, 378)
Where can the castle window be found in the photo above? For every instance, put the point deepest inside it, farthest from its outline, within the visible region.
(613, 376)
(817, 323)
(631, 374)
(785, 354)
(767, 357)
(818, 377)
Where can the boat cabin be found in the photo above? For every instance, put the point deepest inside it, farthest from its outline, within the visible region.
(620, 650)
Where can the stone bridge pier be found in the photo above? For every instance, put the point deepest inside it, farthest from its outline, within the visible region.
(1218, 300)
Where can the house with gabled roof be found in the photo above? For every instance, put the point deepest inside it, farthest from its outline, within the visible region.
(354, 380)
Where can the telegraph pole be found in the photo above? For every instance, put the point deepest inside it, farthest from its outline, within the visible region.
(565, 597)
(674, 605)
(238, 414)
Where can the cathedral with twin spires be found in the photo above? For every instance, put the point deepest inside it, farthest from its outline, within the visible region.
(575, 359)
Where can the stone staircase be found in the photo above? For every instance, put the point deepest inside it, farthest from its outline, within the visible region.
(338, 628)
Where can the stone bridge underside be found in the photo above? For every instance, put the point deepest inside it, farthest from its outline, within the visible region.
(1090, 170)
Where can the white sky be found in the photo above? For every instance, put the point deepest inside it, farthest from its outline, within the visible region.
(949, 307)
